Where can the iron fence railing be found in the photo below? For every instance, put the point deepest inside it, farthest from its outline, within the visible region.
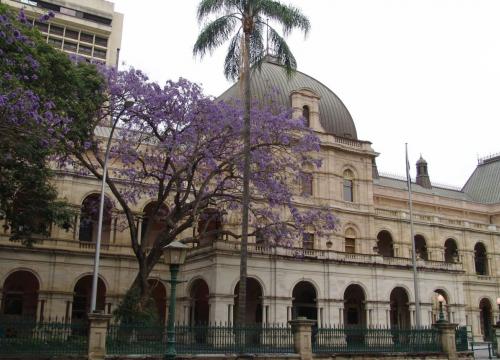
(25, 337)
(461, 338)
(339, 339)
(200, 339)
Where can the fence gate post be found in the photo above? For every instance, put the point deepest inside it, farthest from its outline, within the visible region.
(448, 343)
(496, 339)
(302, 329)
(98, 327)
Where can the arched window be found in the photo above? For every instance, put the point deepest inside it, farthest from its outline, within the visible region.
(348, 186)
(480, 259)
(450, 251)
(89, 217)
(400, 309)
(306, 184)
(308, 241)
(304, 301)
(350, 241)
(20, 295)
(354, 307)
(485, 319)
(435, 305)
(82, 297)
(421, 247)
(385, 244)
(306, 115)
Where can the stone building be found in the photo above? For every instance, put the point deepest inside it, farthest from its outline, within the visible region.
(360, 275)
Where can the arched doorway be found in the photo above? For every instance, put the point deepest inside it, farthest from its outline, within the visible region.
(486, 318)
(199, 294)
(450, 251)
(159, 295)
(20, 295)
(480, 259)
(153, 222)
(354, 306)
(435, 305)
(400, 309)
(82, 295)
(304, 303)
(253, 303)
(89, 216)
(385, 244)
(421, 247)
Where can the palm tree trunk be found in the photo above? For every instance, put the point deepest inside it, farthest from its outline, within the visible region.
(242, 293)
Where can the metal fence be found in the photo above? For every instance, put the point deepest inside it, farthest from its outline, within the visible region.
(337, 339)
(200, 339)
(52, 338)
(461, 338)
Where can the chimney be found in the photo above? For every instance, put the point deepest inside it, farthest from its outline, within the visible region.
(422, 174)
(375, 174)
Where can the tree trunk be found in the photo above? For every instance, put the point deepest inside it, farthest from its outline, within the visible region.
(245, 78)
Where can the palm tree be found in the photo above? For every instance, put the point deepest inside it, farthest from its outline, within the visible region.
(242, 23)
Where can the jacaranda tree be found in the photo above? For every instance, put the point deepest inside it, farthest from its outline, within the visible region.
(243, 23)
(177, 147)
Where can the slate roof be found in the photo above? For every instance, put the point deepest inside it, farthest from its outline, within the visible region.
(435, 190)
(334, 116)
(484, 183)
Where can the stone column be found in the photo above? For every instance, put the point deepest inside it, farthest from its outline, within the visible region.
(98, 326)
(302, 328)
(447, 331)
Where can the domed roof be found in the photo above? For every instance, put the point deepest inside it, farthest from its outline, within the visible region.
(334, 116)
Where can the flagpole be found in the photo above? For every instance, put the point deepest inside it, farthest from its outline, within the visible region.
(413, 253)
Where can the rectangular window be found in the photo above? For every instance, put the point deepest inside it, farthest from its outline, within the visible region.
(55, 42)
(69, 46)
(100, 53)
(56, 30)
(306, 184)
(101, 41)
(348, 194)
(72, 34)
(308, 241)
(85, 50)
(89, 38)
(350, 245)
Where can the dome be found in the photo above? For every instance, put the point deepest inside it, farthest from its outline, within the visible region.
(334, 116)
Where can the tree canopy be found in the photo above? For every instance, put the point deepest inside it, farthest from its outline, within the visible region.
(41, 90)
(179, 148)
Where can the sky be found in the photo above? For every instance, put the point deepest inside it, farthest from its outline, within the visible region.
(422, 72)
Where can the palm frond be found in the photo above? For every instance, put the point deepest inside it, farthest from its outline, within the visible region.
(256, 44)
(233, 56)
(209, 7)
(280, 49)
(214, 34)
(214, 7)
(287, 16)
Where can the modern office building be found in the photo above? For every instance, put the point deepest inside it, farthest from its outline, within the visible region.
(90, 28)
(359, 275)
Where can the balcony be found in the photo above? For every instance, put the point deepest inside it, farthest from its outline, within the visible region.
(330, 255)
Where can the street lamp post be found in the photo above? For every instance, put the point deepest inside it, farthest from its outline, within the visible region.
(95, 277)
(175, 255)
(440, 299)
